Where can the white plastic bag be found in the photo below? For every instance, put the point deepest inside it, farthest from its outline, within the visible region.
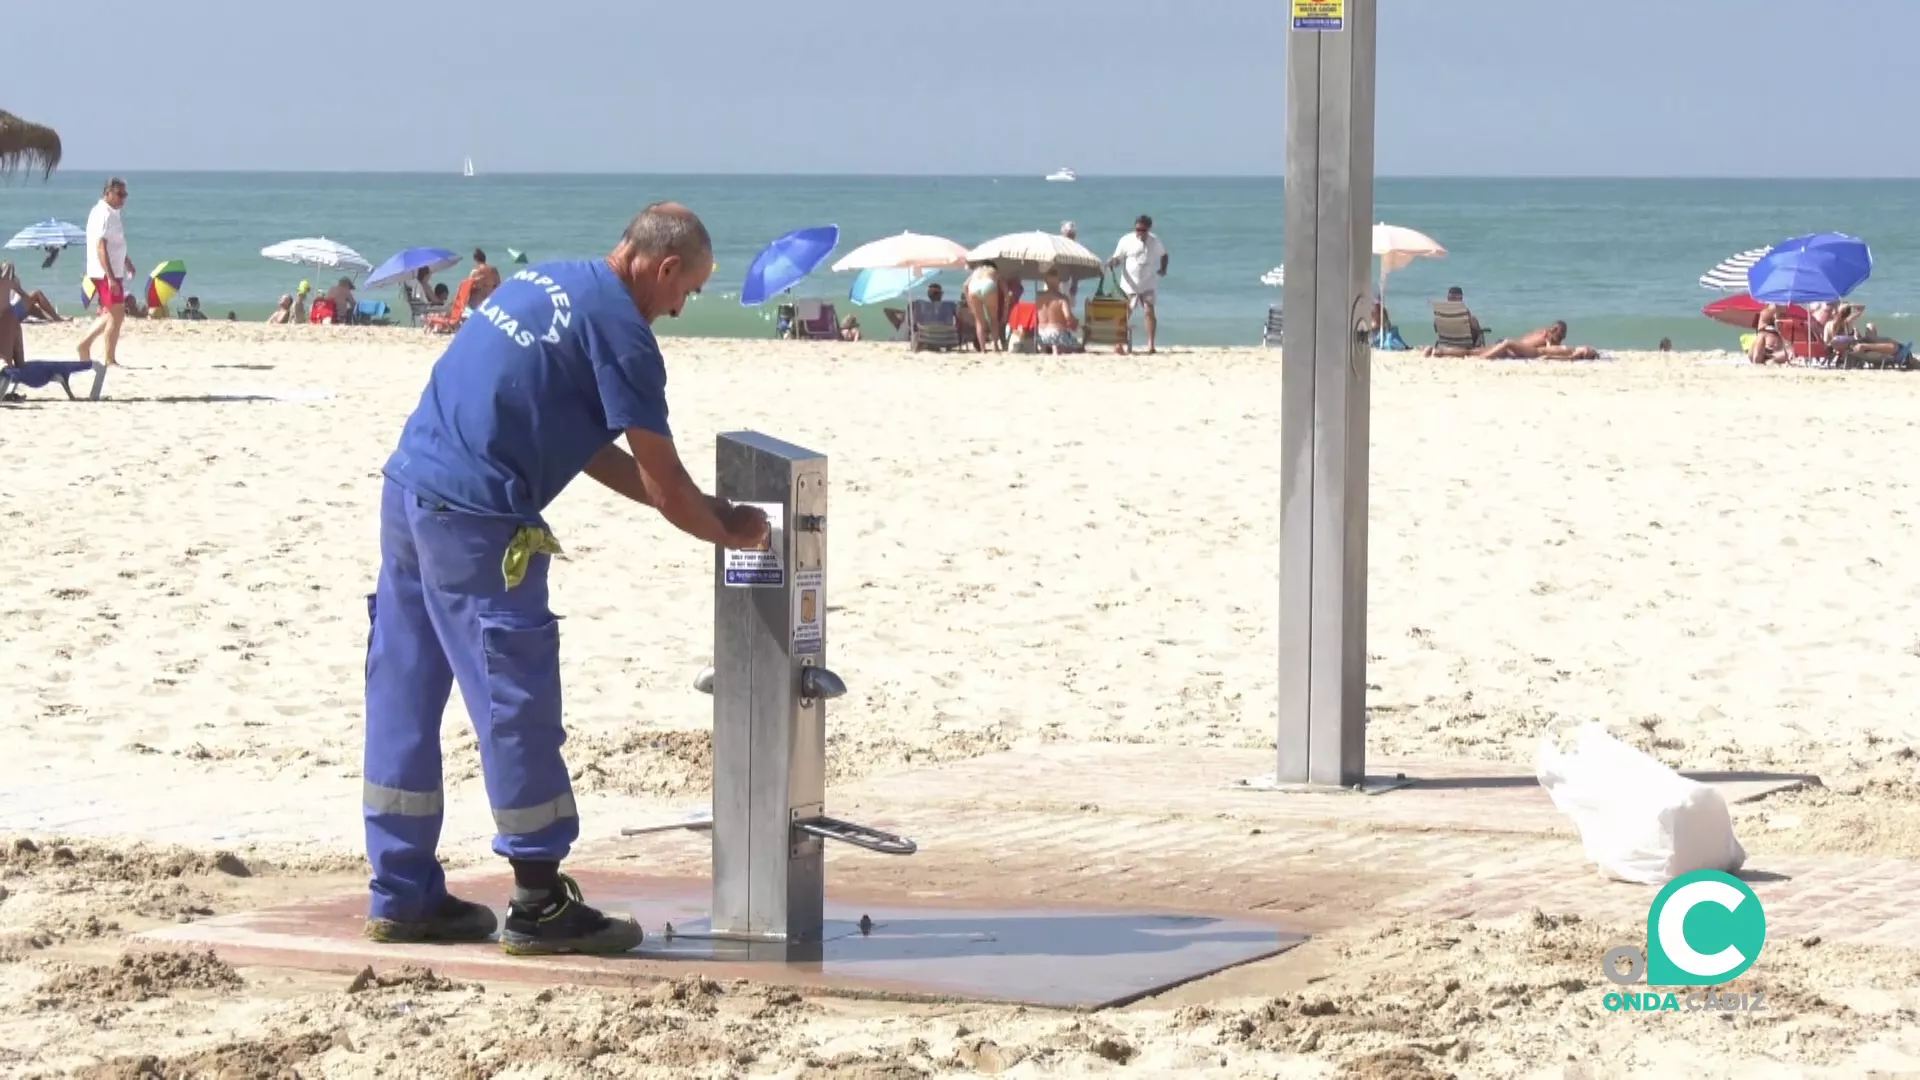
(1638, 820)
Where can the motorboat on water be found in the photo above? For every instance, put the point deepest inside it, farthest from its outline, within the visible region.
(1062, 175)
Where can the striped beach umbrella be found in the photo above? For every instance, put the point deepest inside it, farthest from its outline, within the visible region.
(49, 234)
(164, 283)
(1731, 274)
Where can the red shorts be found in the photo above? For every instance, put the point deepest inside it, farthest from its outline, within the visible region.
(110, 291)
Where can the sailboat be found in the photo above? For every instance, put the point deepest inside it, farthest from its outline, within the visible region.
(466, 167)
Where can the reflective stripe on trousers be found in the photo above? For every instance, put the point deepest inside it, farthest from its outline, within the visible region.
(388, 800)
(527, 820)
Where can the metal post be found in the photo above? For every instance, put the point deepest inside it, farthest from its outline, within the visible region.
(1324, 392)
(769, 740)
(770, 684)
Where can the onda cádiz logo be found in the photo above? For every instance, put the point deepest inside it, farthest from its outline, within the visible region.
(1703, 930)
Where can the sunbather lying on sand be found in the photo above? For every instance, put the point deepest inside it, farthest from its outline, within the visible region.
(1546, 343)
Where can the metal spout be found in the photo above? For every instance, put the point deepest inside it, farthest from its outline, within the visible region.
(703, 682)
(818, 682)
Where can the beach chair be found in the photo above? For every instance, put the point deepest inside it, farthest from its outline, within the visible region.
(1802, 341)
(1453, 326)
(419, 307)
(37, 373)
(822, 324)
(448, 321)
(1023, 327)
(1105, 322)
(1274, 333)
(936, 327)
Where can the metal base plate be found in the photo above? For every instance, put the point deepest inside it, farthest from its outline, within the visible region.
(1074, 958)
(1372, 785)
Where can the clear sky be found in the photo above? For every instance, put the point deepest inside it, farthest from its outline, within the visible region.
(1182, 87)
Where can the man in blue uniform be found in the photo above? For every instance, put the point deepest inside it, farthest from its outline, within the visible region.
(534, 389)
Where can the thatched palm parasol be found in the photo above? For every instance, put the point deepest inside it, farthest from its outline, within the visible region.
(23, 143)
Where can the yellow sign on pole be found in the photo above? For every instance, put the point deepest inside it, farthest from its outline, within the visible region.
(1320, 15)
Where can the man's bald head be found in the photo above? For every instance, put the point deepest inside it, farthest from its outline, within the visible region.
(664, 257)
(667, 228)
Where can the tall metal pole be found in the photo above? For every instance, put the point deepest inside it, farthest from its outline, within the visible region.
(1325, 392)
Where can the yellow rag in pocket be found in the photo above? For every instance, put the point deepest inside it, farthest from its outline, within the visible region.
(528, 541)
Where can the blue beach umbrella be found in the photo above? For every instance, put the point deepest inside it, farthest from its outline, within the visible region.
(1820, 268)
(785, 261)
(409, 262)
(49, 233)
(886, 282)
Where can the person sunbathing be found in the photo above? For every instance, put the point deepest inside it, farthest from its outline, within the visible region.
(283, 314)
(1058, 329)
(1868, 346)
(13, 342)
(1769, 346)
(26, 305)
(1546, 343)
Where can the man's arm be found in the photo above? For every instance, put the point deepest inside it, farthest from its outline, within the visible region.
(663, 484)
(1163, 259)
(106, 264)
(615, 468)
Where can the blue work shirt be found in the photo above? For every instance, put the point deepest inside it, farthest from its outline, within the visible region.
(547, 371)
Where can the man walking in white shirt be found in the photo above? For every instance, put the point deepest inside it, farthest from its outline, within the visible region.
(106, 260)
(1143, 262)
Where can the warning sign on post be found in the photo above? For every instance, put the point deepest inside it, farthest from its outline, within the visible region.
(809, 612)
(759, 566)
(1320, 15)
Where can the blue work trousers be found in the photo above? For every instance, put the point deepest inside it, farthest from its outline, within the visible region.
(442, 613)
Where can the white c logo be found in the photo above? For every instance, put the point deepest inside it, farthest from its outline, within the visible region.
(1672, 928)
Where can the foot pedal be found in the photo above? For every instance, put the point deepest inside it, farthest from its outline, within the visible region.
(859, 836)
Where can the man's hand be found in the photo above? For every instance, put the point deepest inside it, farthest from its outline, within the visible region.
(746, 526)
(671, 491)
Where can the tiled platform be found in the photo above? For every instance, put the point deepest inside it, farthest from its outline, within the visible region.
(1074, 958)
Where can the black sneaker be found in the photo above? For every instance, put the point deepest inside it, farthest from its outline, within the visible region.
(457, 920)
(563, 923)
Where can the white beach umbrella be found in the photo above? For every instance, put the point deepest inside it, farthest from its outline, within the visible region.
(1398, 246)
(908, 251)
(319, 253)
(1032, 254)
(1731, 274)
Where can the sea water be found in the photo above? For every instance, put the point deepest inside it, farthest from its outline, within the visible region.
(1619, 260)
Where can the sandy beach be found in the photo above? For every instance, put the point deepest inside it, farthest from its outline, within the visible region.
(1031, 553)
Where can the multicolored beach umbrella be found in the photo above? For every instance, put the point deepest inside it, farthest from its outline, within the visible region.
(164, 283)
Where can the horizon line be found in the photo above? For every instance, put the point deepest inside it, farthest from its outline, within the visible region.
(68, 169)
